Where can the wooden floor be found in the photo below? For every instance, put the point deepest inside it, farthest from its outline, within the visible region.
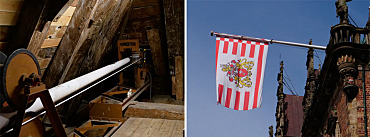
(149, 127)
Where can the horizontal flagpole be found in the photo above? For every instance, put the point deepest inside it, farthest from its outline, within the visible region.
(267, 40)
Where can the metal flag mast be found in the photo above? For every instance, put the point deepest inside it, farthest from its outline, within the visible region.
(268, 40)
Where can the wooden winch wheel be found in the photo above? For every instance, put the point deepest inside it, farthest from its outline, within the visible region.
(19, 64)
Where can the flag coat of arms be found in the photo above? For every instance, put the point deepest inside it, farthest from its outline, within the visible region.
(240, 66)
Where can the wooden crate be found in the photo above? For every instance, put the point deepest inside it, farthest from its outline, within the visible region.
(104, 108)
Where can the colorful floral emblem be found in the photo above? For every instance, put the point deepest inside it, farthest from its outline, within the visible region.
(239, 72)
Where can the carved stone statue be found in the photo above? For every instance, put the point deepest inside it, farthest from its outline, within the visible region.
(342, 11)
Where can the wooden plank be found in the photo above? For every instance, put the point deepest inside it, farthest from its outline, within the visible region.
(62, 21)
(51, 43)
(154, 41)
(5, 33)
(96, 127)
(122, 129)
(56, 32)
(167, 128)
(131, 129)
(8, 18)
(144, 12)
(179, 74)
(10, 5)
(178, 129)
(143, 129)
(155, 110)
(155, 126)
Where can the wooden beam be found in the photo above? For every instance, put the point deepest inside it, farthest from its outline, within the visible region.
(62, 21)
(107, 19)
(69, 11)
(144, 12)
(99, 38)
(92, 27)
(154, 41)
(74, 35)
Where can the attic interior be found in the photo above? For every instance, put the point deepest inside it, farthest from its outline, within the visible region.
(92, 67)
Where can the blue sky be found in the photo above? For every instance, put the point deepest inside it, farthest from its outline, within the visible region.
(294, 21)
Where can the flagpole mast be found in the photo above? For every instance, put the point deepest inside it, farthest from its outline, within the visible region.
(271, 41)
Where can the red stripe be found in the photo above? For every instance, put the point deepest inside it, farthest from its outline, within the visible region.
(217, 48)
(228, 97)
(258, 79)
(237, 98)
(226, 47)
(249, 42)
(246, 101)
(251, 54)
(235, 48)
(243, 49)
(220, 90)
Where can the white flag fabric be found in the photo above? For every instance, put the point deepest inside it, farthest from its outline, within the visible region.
(240, 66)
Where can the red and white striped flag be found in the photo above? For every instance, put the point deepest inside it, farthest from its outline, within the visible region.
(240, 66)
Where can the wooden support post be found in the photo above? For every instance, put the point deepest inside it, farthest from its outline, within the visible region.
(50, 112)
(174, 18)
(179, 73)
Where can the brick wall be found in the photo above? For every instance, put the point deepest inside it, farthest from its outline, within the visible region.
(359, 98)
(351, 114)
